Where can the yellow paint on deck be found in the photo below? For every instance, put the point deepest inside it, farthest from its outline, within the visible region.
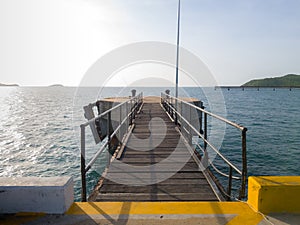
(274, 194)
(240, 211)
(244, 214)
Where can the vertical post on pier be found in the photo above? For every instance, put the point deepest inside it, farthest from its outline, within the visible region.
(177, 59)
(82, 158)
(229, 183)
(108, 137)
(244, 159)
(200, 115)
(205, 131)
(134, 107)
(120, 122)
(181, 113)
(190, 126)
(108, 129)
(127, 116)
(169, 107)
(131, 112)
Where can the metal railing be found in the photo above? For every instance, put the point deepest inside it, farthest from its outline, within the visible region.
(187, 126)
(123, 113)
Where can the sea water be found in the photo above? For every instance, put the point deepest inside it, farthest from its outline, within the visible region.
(39, 129)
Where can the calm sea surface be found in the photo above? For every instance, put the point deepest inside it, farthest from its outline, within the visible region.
(39, 133)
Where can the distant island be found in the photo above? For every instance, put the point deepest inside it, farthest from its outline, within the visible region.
(289, 80)
(9, 85)
(56, 85)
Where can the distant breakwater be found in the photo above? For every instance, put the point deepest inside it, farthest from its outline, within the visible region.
(256, 87)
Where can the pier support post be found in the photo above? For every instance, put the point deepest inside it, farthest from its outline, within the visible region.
(205, 131)
(229, 184)
(244, 162)
(82, 158)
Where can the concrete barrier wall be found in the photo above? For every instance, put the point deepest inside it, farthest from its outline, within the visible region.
(274, 194)
(36, 194)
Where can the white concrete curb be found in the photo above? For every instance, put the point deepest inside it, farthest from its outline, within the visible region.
(36, 194)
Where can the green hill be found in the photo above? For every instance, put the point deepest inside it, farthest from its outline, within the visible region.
(290, 80)
(56, 85)
(9, 85)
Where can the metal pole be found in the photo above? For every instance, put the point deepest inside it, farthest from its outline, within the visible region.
(201, 118)
(83, 178)
(127, 118)
(131, 113)
(108, 129)
(120, 121)
(229, 183)
(205, 131)
(181, 112)
(177, 57)
(190, 128)
(244, 171)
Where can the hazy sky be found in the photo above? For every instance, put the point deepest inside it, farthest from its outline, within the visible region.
(45, 42)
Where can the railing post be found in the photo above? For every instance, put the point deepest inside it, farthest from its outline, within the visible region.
(244, 159)
(201, 119)
(175, 109)
(82, 158)
(131, 112)
(190, 128)
(108, 129)
(205, 131)
(127, 118)
(229, 183)
(120, 121)
(181, 120)
(108, 137)
(169, 106)
(135, 107)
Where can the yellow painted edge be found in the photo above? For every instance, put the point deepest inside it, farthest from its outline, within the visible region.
(138, 208)
(254, 189)
(278, 180)
(245, 215)
(276, 194)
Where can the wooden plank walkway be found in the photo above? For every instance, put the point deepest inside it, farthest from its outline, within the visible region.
(158, 165)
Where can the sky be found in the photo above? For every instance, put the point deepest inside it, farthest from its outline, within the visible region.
(46, 42)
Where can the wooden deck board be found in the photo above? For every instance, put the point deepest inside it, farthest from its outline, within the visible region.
(156, 197)
(154, 175)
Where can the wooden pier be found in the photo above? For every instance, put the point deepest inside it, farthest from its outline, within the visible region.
(153, 140)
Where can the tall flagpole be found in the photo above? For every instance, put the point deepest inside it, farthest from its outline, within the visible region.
(177, 54)
(177, 58)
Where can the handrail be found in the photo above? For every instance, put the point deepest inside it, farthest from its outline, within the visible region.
(175, 114)
(216, 169)
(129, 115)
(139, 96)
(207, 112)
(207, 142)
